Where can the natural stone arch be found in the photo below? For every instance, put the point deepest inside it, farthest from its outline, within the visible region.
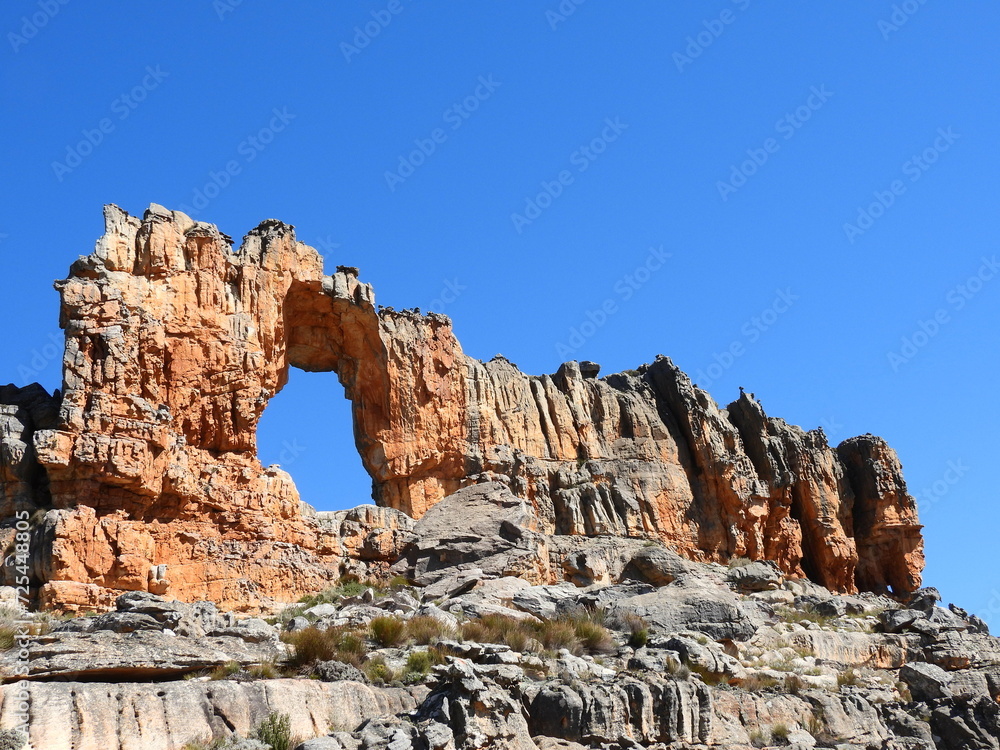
(175, 343)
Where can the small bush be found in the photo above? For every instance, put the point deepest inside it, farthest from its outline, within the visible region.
(816, 724)
(387, 632)
(557, 634)
(266, 671)
(424, 630)
(638, 638)
(419, 664)
(595, 638)
(312, 645)
(739, 562)
(794, 684)
(780, 732)
(849, 677)
(377, 671)
(275, 730)
(680, 671)
(8, 637)
(499, 629)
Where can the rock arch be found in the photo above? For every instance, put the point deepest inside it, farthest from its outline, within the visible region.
(175, 342)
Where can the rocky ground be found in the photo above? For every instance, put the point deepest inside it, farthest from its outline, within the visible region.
(637, 647)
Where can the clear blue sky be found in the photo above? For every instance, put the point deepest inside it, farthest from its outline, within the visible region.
(635, 115)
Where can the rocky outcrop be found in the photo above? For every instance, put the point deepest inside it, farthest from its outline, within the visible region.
(168, 715)
(175, 343)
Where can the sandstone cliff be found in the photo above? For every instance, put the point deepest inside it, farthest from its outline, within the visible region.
(175, 342)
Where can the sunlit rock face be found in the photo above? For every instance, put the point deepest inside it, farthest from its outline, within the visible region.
(175, 343)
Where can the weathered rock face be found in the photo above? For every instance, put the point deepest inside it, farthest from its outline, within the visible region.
(175, 343)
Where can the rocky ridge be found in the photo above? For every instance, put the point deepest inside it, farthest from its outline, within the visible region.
(142, 474)
(470, 648)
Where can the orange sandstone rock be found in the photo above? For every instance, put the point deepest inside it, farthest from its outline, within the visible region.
(175, 342)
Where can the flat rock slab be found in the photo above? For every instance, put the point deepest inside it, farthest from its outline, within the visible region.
(167, 715)
(132, 656)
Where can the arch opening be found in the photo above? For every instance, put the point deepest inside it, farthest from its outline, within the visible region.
(307, 429)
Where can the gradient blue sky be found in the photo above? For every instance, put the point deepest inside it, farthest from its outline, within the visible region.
(902, 113)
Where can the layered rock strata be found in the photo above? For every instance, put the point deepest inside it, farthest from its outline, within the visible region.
(175, 343)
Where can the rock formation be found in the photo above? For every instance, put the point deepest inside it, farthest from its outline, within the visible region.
(149, 478)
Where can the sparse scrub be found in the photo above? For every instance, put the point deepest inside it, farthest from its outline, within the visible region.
(557, 634)
(225, 671)
(424, 630)
(275, 731)
(709, 678)
(8, 637)
(498, 629)
(794, 684)
(312, 645)
(594, 637)
(387, 632)
(755, 683)
(849, 677)
(266, 671)
(780, 732)
(790, 614)
(420, 663)
(739, 562)
(581, 632)
(377, 671)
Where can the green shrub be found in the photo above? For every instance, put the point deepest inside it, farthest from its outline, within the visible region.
(377, 671)
(275, 730)
(387, 632)
(419, 664)
(638, 638)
